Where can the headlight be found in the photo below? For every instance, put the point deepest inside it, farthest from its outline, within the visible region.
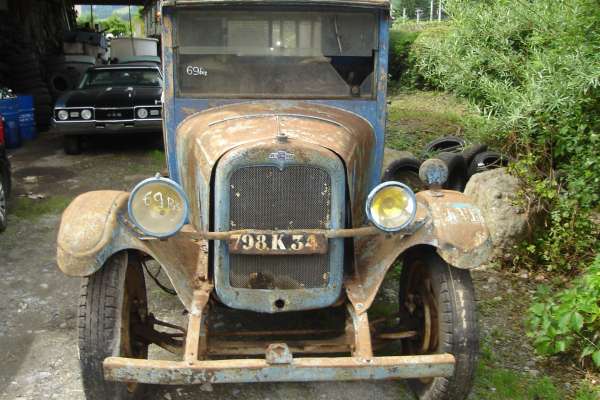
(63, 115)
(391, 206)
(86, 114)
(142, 113)
(158, 207)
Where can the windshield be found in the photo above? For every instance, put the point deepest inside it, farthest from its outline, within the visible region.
(293, 54)
(121, 77)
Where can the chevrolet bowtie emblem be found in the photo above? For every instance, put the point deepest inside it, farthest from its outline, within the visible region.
(281, 155)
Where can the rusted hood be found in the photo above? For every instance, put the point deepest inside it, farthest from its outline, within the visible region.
(203, 138)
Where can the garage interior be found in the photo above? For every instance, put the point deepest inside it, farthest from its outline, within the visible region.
(42, 51)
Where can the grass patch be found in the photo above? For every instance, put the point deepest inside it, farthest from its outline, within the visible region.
(158, 158)
(155, 162)
(26, 208)
(415, 118)
(587, 392)
(494, 383)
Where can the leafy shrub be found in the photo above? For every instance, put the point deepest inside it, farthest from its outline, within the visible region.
(534, 66)
(570, 319)
(400, 43)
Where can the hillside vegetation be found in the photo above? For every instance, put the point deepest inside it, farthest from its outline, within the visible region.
(532, 68)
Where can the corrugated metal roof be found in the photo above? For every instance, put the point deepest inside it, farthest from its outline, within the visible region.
(357, 3)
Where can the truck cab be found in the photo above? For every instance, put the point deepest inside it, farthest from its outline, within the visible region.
(274, 126)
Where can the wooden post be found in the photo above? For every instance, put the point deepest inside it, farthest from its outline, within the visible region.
(439, 10)
(404, 14)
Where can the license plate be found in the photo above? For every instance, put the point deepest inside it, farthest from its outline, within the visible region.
(277, 243)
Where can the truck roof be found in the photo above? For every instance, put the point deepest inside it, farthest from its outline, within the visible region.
(385, 4)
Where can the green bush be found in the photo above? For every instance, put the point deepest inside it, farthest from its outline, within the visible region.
(400, 43)
(534, 66)
(569, 320)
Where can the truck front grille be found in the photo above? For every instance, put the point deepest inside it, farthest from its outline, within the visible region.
(265, 197)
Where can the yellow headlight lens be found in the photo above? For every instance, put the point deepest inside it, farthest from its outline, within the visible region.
(158, 207)
(391, 206)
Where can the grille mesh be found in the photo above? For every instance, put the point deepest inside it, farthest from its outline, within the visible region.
(116, 114)
(264, 197)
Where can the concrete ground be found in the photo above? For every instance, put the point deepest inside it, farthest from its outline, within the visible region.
(38, 303)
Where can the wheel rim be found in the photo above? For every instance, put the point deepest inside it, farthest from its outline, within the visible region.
(421, 307)
(134, 313)
(2, 202)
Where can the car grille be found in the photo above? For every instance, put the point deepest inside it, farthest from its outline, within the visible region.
(118, 114)
(265, 197)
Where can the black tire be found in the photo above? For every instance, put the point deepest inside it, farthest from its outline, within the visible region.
(457, 171)
(486, 161)
(405, 169)
(451, 144)
(470, 152)
(3, 202)
(453, 319)
(106, 305)
(60, 82)
(72, 144)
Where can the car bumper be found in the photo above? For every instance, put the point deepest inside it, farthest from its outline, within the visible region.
(107, 127)
(259, 370)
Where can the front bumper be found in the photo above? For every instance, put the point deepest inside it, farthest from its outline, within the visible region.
(108, 127)
(259, 370)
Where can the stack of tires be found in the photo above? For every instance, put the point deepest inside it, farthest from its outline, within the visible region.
(463, 161)
(27, 78)
(65, 72)
(4, 73)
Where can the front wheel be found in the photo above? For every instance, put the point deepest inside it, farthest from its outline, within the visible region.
(439, 301)
(113, 302)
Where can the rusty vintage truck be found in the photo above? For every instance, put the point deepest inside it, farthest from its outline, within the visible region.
(274, 120)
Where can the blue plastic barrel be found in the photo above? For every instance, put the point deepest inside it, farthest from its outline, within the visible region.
(12, 134)
(27, 126)
(7, 105)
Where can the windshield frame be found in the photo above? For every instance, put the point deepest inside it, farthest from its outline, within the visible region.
(82, 84)
(279, 9)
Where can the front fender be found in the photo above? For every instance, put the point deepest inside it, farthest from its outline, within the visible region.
(93, 228)
(449, 222)
(87, 227)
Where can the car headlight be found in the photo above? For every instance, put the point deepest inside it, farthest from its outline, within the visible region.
(391, 206)
(86, 114)
(158, 207)
(142, 113)
(63, 115)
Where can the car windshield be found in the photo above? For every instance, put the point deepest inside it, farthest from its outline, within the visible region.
(262, 53)
(121, 77)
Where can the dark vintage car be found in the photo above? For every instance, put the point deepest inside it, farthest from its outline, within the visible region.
(118, 98)
(4, 178)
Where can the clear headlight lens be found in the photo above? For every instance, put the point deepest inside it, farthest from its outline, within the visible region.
(158, 207)
(142, 113)
(63, 115)
(86, 114)
(391, 206)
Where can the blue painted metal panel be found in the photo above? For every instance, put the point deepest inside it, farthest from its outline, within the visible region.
(374, 111)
